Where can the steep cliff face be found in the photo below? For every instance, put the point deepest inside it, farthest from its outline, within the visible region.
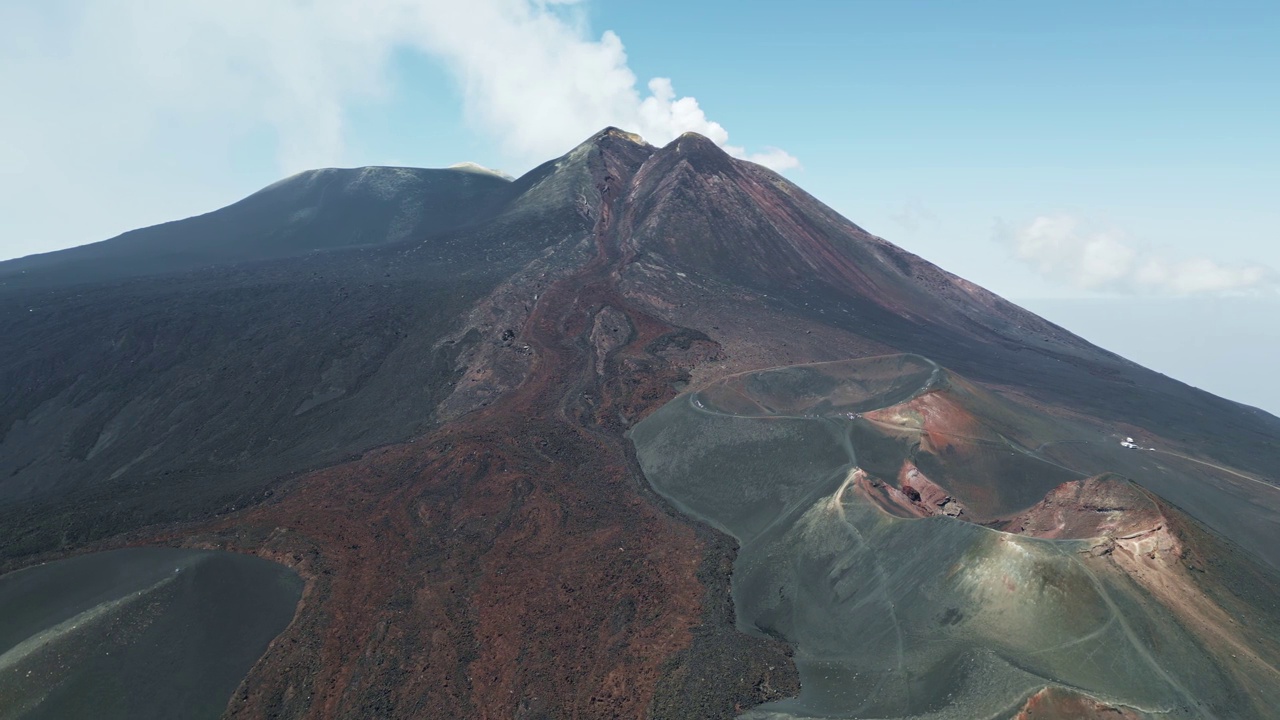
(433, 431)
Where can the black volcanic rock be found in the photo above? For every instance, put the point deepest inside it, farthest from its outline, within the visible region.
(415, 387)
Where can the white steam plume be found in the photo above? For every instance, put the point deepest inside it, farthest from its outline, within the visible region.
(531, 74)
(539, 83)
(1059, 248)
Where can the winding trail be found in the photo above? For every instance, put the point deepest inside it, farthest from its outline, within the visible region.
(879, 586)
(1227, 470)
(1136, 642)
(19, 652)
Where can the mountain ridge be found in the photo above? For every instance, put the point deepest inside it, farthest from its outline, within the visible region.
(253, 228)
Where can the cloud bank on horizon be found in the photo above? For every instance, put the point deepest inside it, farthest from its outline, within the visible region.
(1063, 249)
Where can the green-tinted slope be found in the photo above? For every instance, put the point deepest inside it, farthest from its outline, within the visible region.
(866, 516)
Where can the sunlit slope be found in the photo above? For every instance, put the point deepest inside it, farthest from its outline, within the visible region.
(931, 549)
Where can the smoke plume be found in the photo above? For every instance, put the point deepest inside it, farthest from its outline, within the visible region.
(137, 110)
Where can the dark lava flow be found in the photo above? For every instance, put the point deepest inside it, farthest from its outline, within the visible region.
(511, 563)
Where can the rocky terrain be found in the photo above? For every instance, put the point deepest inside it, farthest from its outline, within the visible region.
(422, 391)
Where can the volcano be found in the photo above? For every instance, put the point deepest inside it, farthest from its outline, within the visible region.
(647, 432)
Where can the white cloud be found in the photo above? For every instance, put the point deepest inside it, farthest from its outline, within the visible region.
(94, 90)
(1200, 275)
(1060, 248)
(771, 157)
(540, 84)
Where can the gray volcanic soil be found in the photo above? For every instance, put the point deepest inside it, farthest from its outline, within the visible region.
(935, 616)
(137, 633)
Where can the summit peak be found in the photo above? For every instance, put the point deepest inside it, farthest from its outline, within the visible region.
(478, 169)
(692, 143)
(610, 137)
(619, 134)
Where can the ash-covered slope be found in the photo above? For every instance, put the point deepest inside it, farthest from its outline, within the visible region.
(932, 550)
(431, 429)
(310, 211)
(179, 370)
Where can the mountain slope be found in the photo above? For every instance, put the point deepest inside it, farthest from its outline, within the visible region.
(189, 391)
(308, 212)
(432, 430)
(927, 554)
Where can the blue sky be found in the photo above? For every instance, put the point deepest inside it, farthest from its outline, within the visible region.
(932, 123)
(1156, 120)
(1044, 150)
